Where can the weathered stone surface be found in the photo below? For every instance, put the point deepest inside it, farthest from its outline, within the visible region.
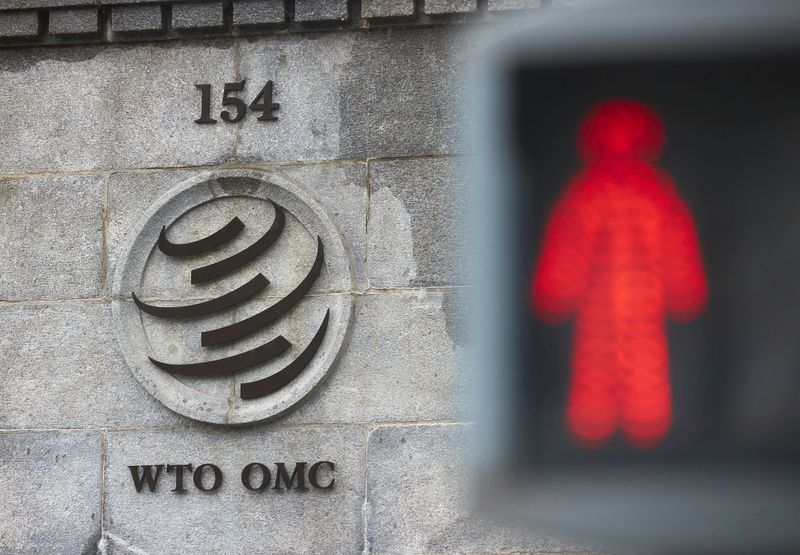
(417, 223)
(52, 237)
(255, 12)
(420, 497)
(386, 8)
(149, 89)
(74, 21)
(405, 360)
(19, 24)
(355, 95)
(513, 4)
(320, 10)
(235, 520)
(62, 369)
(308, 76)
(197, 16)
(128, 19)
(51, 492)
(340, 186)
(34, 4)
(450, 6)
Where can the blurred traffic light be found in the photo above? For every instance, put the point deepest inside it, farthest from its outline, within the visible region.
(639, 308)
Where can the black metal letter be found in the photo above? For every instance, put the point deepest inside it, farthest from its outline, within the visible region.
(198, 477)
(146, 476)
(178, 468)
(205, 105)
(282, 475)
(263, 103)
(238, 103)
(312, 474)
(266, 476)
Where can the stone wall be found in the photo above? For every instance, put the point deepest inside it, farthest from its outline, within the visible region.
(93, 134)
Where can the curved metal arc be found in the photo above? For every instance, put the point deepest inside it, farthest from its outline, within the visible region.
(219, 304)
(271, 384)
(201, 246)
(235, 261)
(231, 364)
(250, 325)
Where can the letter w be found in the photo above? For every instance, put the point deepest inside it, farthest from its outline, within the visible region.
(146, 476)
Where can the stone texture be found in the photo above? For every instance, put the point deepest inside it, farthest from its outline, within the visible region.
(149, 89)
(129, 19)
(417, 223)
(420, 494)
(233, 520)
(386, 8)
(405, 360)
(355, 95)
(50, 484)
(450, 6)
(62, 369)
(197, 16)
(513, 4)
(35, 4)
(320, 10)
(340, 186)
(52, 237)
(255, 12)
(74, 21)
(19, 24)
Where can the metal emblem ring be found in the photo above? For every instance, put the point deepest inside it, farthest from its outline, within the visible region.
(243, 320)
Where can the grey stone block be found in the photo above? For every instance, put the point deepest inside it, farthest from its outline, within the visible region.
(513, 4)
(417, 220)
(197, 16)
(320, 10)
(62, 369)
(255, 12)
(356, 95)
(36, 4)
(74, 21)
(51, 492)
(119, 107)
(421, 495)
(235, 520)
(386, 8)
(406, 359)
(129, 19)
(52, 237)
(403, 92)
(19, 24)
(340, 186)
(450, 6)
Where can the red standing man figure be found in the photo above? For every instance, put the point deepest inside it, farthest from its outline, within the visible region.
(620, 253)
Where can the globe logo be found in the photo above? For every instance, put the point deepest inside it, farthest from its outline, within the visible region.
(248, 326)
(234, 296)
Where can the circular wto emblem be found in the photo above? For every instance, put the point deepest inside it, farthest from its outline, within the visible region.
(233, 296)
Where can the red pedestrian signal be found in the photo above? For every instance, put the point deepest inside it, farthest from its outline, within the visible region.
(621, 254)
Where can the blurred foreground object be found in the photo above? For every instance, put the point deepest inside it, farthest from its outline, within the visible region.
(638, 322)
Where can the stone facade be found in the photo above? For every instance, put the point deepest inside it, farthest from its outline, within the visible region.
(96, 132)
